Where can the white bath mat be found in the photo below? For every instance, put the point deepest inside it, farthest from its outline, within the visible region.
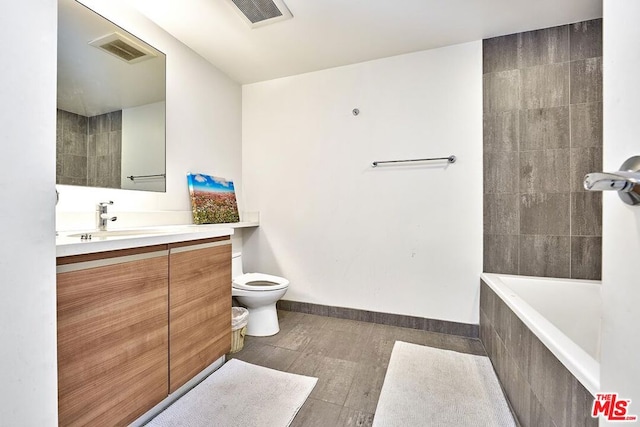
(432, 387)
(240, 394)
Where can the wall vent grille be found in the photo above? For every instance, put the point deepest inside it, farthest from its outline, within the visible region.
(124, 48)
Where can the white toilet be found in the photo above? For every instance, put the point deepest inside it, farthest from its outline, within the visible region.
(258, 293)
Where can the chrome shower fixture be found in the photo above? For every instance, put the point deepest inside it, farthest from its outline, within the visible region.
(626, 181)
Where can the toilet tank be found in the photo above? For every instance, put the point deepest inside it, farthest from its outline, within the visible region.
(236, 264)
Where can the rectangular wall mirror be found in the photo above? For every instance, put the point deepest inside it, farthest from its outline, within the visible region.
(111, 104)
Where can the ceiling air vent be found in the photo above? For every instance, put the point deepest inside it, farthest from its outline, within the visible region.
(124, 48)
(257, 13)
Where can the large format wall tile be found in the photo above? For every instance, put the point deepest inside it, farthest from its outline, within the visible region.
(105, 122)
(75, 143)
(501, 253)
(501, 172)
(501, 91)
(581, 403)
(74, 166)
(501, 131)
(115, 142)
(586, 125)
(92, 172)
(551, 383)
(545, 171)
(586, 257)
(546, 256)
(519, 397)
(72, 181)
(88, 149)
(541, 391)
(544, 128)
(102, 144)
(103, 168)
(545, 86)
(586, 80)
(71, 122)
(105, 149)
(542, 132)
(586, 39)
(539, 214)
(501, 214)
(59, 165)
(586, 214)
(71, 148)
(500, 54)
(547, 46)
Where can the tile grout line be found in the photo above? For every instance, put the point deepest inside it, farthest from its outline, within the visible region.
(570, 161)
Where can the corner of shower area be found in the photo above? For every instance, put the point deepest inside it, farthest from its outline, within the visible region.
(542, 133)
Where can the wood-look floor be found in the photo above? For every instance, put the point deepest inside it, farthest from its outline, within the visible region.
(349, 358)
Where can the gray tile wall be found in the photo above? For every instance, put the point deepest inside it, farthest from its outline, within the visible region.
(541, 391)
(71, 148)
(104, 150)
(89, 149)
(542, 98)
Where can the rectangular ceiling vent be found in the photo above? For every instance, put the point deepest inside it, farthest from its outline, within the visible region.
(124, 48)
(257, 13)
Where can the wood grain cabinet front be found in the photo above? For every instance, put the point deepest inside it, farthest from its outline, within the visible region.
(199, 308)
(112, 338)
(136, 324)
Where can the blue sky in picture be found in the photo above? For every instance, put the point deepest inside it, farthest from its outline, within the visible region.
(212, 184)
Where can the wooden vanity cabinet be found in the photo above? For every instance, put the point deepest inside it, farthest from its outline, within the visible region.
(112, 336)
(199, 307)
(136, 324)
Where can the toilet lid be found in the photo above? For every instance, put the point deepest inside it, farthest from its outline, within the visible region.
(259, 282)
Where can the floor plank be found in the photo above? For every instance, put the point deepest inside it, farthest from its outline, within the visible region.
(348, 357)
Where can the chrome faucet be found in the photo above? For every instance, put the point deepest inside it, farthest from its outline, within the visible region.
(102, 217)
(626, 181)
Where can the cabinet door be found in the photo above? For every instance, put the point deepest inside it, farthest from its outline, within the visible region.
(112, 339)
(199, 308)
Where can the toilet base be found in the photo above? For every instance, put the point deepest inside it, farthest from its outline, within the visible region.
(263, 321)
(263, 317)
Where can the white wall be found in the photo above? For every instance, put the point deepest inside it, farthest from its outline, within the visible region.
(404, 239)
(28, 390)
(620, 370)
(143, 146)
(203, 129)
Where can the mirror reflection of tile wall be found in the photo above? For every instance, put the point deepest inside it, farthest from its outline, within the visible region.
(89, 149)
(542, 94)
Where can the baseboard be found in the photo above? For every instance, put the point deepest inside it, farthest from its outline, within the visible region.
(403, 321)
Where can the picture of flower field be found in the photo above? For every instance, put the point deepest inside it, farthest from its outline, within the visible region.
(213, 199)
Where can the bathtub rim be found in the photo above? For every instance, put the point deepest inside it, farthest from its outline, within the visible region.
(584, 367)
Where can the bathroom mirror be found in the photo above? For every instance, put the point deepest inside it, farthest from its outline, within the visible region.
(110, 104)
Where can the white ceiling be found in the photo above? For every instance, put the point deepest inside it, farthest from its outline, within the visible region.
(92, 82)
(330, 33)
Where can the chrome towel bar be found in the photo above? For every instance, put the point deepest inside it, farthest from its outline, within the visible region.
(450, 159)
(159, 175)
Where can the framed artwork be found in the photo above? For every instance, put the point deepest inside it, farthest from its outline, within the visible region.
(213, 199)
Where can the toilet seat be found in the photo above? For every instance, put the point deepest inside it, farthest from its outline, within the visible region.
(259, 282)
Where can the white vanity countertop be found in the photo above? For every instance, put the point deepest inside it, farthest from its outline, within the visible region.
(69, 243)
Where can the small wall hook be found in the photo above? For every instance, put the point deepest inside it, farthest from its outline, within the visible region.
(355, 111)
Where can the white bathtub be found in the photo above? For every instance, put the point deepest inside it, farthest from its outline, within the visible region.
(564, 314)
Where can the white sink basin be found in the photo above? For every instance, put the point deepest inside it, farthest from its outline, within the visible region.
(76, 242)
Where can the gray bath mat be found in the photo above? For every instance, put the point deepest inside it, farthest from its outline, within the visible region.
(240, 394)
(432, 387)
